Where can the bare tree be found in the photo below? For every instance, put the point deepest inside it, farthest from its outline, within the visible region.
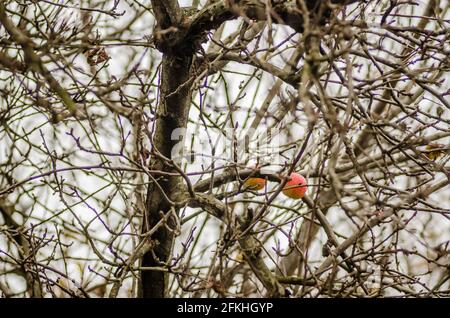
(131, 131)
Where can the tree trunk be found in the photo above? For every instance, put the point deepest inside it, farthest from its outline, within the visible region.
(173, 110)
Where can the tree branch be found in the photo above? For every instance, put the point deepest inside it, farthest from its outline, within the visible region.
(33, 60)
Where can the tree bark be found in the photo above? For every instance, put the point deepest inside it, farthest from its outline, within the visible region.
(173, 110)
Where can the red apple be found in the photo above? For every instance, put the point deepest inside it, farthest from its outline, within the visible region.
(295, 188)
(255, 184)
